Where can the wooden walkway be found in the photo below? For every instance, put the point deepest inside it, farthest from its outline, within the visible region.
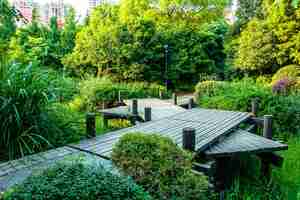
(16, 171)
(160, 109)
(218, 134)
(241, 141)
(210, 126)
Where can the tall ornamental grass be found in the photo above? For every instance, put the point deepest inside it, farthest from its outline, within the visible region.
(23, 96)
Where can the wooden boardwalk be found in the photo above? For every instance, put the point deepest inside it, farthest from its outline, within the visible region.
(160, 109)
(14, 172)
(217, 134)
(210, 125)
(241, 141)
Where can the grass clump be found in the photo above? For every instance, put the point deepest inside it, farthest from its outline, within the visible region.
(160, 166)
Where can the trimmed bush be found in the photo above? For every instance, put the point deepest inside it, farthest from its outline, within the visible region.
(69, 181)
(287, 80)
(291, 71)
(160, 166)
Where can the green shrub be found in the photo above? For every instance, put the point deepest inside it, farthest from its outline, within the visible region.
(69, 124)
(238, 96)
(160, 166)
(291, 71)
(207, 88)
(96, 91)
(76, 181)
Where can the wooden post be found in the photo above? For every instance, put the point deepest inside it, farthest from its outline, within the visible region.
(147, 114)
(267, 131)
(189, 139)
(135, 107)
(191, 103)
(254, 107)
(160, 94)
(91, 124)
(105, 121)
(175, 98)
(119, 97)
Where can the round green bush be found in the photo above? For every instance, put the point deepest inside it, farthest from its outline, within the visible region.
(160, 166)
(69, 181)
(291, 72)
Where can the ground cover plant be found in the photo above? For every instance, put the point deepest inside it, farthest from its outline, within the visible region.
(160, 166)
(77, 180)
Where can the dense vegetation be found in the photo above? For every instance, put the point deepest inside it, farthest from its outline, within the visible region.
(160, 166)
(77, 181)
(50, 76)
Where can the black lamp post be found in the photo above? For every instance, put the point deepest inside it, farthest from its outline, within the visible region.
(166, 65)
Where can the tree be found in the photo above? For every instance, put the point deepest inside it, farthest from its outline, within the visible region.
(68, 33)
(7, 26)
(273, 42)
(247, 10)
(127, 41)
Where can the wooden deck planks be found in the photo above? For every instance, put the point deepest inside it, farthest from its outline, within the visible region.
(210, 125)
(242, 141)
(160, 109)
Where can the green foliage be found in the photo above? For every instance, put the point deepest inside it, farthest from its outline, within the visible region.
(68, 32)
(291, 71)
(244, 190)
(77, 181)
(7, 25)
(160, 166)
(69, 125)
(247, 10)
(238, 96)
(272, 42)
(111, 43)
(29, 120)
(23, 96)
(207, 88)
(96, 91)
(289, 175)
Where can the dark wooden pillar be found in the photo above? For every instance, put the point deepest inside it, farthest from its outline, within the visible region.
(267, 131)
(105, 121)
(191, 103)
(134, 107)
(147, 116)
(91, 124)
(266, 170)
(254, 107)
(189, 139)
(175, 98)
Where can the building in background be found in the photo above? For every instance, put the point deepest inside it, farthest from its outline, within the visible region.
(54, 8)
(93, 4)
(45, 11)
(25, 7)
